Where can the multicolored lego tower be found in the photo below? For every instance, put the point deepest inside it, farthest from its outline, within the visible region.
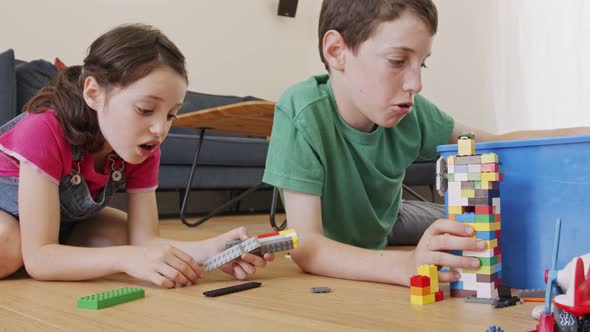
(473, 197)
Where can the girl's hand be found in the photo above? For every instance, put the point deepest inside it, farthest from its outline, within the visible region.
(244, 266)
(163, 265)
(445, 235)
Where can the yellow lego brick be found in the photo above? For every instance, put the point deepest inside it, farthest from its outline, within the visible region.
(486, 185)
(456, 209)
(468, 193)
(491, 244)
(466, 146)
(293, 238)
(483, 269)
(485, 226)
(295, 242)
(427, 299)
(430, 271)
(488, 177)
(489, 158)
(420, 291)
(451, 160)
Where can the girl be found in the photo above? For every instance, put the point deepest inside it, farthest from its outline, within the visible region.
(92, 130)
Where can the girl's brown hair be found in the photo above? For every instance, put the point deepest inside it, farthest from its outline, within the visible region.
(116, 59)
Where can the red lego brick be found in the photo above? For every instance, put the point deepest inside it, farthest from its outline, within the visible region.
(439, 296)
(498, 217)
(463, 293)
(498, 234)
(489, 167)
(497, 251)
(484, 209)
(420, 281)
(497, 282)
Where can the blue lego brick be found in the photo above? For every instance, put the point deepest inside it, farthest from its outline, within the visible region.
(457, 284)
(498, 267)
(465, 217)
(486, 235)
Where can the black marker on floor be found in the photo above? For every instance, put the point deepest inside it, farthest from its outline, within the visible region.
(231, 289)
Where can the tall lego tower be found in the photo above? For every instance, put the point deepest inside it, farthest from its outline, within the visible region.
(473, 197)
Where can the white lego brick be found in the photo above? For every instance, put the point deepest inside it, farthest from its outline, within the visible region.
(496, 204)
(454, 186)
(474, 168)
(460, 169)
(230, 254)
(468, 278)
(484, 253)
(461, 177)
(457, 200)
(486, 290)
(450, 169)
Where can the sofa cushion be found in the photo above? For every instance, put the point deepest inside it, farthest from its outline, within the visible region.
(32, 76)
(209, 177)
(179, 149)
(7, 87)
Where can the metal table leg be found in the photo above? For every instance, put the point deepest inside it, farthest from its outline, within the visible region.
(273, 208)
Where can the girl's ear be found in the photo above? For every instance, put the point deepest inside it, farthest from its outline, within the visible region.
(334, 49)
(93, 93)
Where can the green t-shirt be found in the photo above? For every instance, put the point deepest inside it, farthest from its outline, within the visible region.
(357, 174)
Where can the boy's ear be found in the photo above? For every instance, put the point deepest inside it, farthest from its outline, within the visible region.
(334, 49)
(93, 93)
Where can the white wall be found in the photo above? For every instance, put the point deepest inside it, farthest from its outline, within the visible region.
(458, 77)
(232, 46)
(496, 65)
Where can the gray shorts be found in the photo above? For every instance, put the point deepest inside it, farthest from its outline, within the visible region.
(413, 218)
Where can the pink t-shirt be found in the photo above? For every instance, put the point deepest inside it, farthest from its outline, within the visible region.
(38, 139)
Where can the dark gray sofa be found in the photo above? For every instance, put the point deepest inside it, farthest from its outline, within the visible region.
(227, 162)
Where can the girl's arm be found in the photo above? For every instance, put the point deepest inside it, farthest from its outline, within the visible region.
(144, 230)
(39, 218)
(45, 259)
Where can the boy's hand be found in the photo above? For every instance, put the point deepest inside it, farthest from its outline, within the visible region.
(445, 235)
(246, 265)
(163, 265)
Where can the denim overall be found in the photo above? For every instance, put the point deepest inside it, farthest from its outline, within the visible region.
(76, 202)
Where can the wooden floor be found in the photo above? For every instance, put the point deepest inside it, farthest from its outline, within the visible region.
(284, 302)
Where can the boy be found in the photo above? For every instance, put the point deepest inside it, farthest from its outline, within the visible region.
(341, 143)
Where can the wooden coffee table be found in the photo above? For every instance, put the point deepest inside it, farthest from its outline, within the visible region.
(252, 118)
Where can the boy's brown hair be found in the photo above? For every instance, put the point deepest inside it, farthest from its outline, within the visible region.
(357, 20)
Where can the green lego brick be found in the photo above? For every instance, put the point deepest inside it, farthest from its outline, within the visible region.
(110, 298)
(488, 261)
(485, 218)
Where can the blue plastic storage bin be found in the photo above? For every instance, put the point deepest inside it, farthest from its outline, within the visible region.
(544, 179)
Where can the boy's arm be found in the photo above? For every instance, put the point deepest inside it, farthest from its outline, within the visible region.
(484, 136)
(319, 255)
